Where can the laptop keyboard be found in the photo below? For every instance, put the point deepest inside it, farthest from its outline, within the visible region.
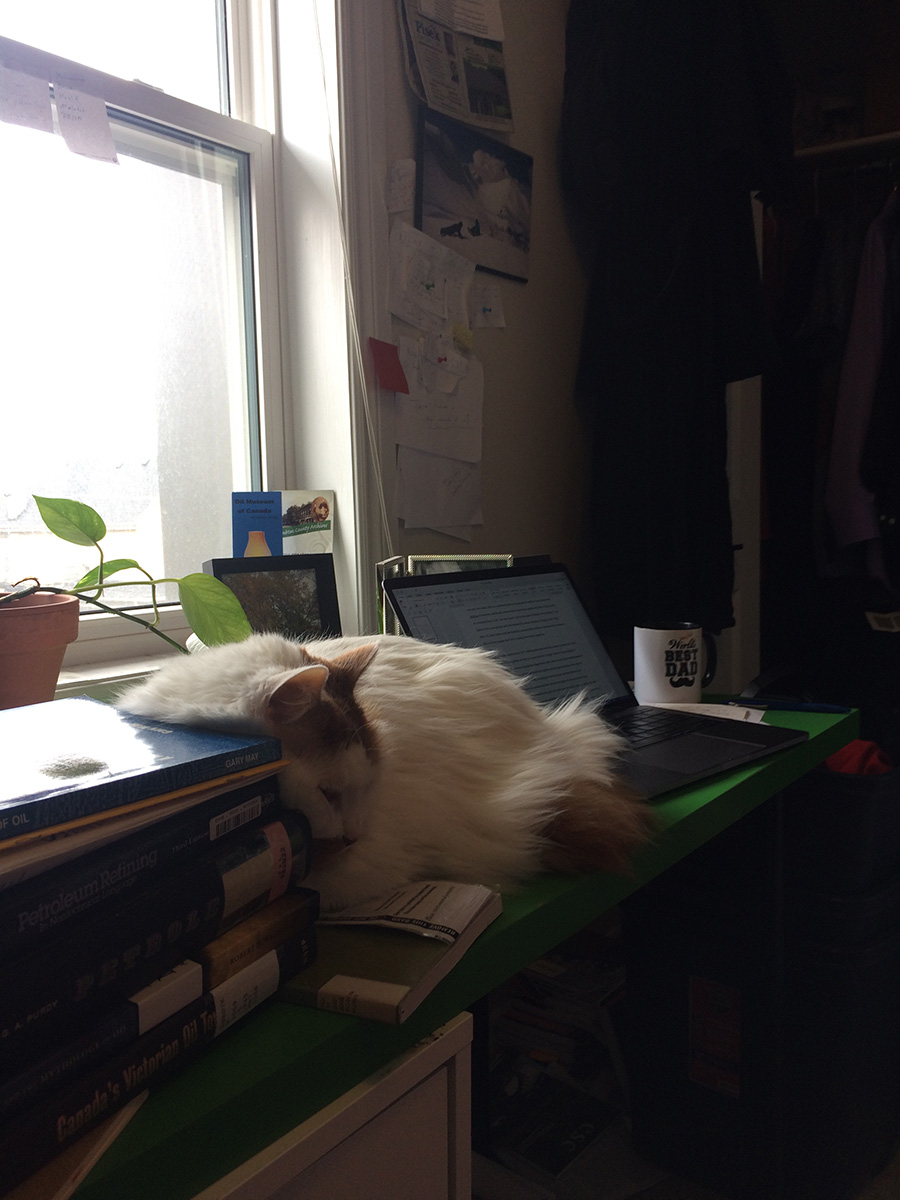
(642, 726)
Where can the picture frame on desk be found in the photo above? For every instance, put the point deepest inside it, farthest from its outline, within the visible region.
(436, 564)
(291, 594)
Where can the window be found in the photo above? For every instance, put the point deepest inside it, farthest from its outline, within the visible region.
(176, 45)
(135, 375)
(283, 315)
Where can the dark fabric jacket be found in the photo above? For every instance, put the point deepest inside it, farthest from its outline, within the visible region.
(673, 115)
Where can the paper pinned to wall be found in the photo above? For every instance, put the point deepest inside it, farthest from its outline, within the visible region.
(486, 306)
(429, 283)
(388, 368)
(401, 185)
(440, 350)
(458, 73)
(25, 100)
(436, 492)
(480, 18)
(448, 424)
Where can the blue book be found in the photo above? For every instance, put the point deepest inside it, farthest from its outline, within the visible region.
(66, 760)
(256, 524)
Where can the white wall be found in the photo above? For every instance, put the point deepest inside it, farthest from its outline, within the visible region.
(533, 464)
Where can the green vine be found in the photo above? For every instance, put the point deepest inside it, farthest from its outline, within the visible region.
(212, 610)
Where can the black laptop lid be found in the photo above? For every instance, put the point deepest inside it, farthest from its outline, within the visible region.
(531, 617)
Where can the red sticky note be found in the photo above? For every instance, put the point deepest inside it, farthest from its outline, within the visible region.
(388, 370)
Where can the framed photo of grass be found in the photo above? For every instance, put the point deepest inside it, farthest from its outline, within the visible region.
(291, 594)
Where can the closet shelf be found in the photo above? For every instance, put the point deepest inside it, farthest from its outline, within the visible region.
(850, 152)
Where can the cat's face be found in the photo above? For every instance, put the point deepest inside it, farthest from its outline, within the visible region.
(332, 746)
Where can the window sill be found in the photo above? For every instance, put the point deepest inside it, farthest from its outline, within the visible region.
(111, 652)
(105, 680)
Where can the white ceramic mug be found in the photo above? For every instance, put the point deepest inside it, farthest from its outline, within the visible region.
(673, 664)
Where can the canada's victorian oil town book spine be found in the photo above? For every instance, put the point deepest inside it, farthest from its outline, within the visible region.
(257, 935)
(47, 1128)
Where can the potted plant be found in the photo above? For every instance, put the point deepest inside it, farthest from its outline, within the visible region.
(37, 622)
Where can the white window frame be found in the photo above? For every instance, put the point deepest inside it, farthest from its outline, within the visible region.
(102, 638)
(317, 145)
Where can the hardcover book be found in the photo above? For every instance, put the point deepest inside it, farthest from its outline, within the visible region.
(110, 1033)
(67, 758)
(257, 935)
(27, 854)
(381, 960)
(272, 927)
(44, 903)
(70, 978)
(47, 1128)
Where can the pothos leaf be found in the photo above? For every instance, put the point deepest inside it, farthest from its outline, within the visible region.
(71, 520)
(92, 579)
(212, 609)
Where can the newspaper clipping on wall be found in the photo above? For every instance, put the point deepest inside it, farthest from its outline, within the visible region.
(454, 59)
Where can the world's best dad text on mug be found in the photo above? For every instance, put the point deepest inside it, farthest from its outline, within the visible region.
(672, 665)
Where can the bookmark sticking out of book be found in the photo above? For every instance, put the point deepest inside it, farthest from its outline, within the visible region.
(380, 960)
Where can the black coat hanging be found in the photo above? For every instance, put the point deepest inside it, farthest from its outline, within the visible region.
(673, 114)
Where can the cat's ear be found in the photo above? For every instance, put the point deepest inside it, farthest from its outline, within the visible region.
(298, 693)
(354, 662)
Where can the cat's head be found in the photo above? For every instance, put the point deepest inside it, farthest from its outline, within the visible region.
(332, 747)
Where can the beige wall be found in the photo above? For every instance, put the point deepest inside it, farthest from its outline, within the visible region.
(533, 458)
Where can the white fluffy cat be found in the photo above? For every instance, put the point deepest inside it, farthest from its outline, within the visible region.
(414, 761)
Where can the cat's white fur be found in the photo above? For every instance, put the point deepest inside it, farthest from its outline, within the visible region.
(465, 777)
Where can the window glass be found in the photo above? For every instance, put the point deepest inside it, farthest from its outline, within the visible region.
(126, 332)
(175, 45)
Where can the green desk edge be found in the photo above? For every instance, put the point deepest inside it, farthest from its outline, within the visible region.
(283, 1063)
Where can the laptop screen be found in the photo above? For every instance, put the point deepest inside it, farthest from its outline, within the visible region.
(531, 617)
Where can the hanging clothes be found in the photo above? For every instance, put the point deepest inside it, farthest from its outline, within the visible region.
(850, 504)
(672, 115)
(879, 467)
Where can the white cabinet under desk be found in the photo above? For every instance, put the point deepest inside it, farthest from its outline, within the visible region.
(402, 1134)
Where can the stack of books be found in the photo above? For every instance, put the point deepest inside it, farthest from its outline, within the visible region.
(150, 895)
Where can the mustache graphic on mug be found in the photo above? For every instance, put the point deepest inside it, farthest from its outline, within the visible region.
(672, 663)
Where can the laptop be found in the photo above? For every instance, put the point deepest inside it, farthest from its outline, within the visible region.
(533, 620)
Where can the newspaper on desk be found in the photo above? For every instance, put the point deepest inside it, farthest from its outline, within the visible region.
(432, 908)
(454, 59)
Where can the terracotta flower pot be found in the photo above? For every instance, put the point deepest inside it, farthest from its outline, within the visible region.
(34, 633)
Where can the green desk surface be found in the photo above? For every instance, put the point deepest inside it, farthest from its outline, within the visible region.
(283, 1063)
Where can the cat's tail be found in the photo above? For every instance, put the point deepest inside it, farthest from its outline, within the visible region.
(597, 828)
(598, 819)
